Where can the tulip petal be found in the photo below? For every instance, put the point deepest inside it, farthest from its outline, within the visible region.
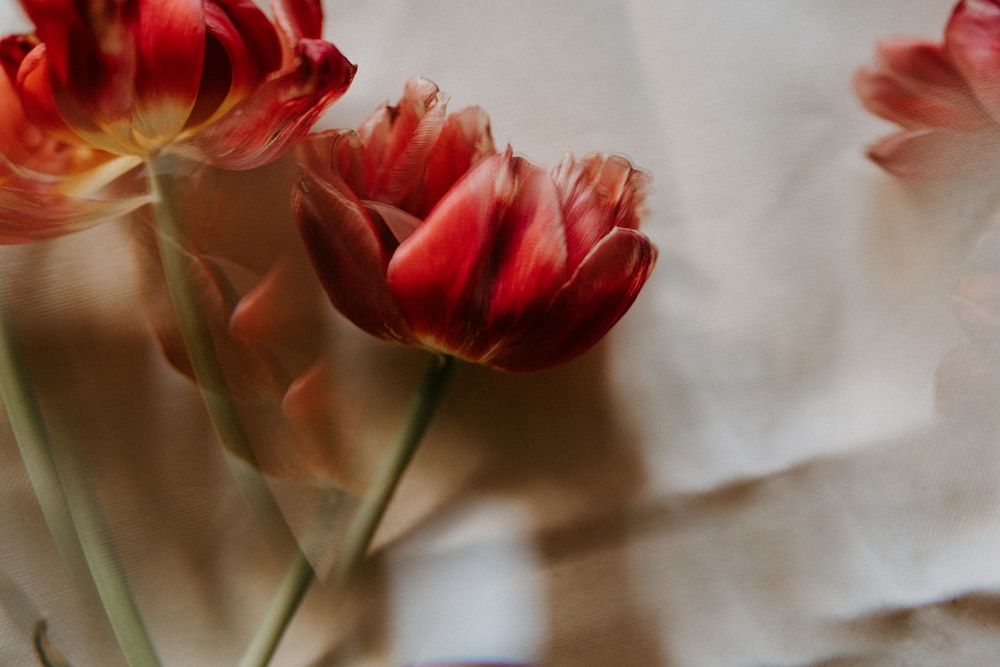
(278, 114)
(271, 310)
(972, 40)
(940, 155)
(13, 50)
(251, 45)
(914, 84)
(603, 288)
(347, 254)
(399, 223)
(51, 109)
(486, 262)
(170, 37)
(597, 195)
(465, 139)
(34, 90)
(320, 454)
(91, 50)
(27, 216)
(398, 141)
(299, 19)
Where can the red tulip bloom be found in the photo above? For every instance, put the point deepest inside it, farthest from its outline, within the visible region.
(944, 96)
(423, 236)
(52, 184)
(215, 80)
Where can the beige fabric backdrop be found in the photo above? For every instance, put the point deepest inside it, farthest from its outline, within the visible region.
(763, 465)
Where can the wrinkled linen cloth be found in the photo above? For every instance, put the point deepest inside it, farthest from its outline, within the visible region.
(773, 460)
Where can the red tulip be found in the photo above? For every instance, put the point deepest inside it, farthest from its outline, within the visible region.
(423, 236)
(53, 183)
(215, 80)
(944, 96)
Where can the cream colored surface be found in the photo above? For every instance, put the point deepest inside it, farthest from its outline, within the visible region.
(752, 470)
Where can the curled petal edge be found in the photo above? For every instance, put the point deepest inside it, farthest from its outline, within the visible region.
(269, 122)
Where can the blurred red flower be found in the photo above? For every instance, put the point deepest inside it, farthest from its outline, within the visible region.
(423, 235)
(266, 313)
(944, 96)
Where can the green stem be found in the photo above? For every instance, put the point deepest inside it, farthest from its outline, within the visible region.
(390, 469)
(361, 529)
(56, 475)
(201, 350)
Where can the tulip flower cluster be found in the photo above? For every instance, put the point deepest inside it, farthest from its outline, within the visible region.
(418, 229)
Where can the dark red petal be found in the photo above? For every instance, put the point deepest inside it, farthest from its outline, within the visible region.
(347, 253)
(249, 40)
(13, 50)
(54, 21)
(972, 41)
(299, 19)
(278, 114)
(486, 262)
(398, 222)
(92, 52)
(599, 294)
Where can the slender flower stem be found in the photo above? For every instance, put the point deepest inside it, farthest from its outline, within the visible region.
(201, 349)
(361, 530)
(374, 503)
(54, 472)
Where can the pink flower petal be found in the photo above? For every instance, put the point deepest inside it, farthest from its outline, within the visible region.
(941, 155)
(915, 85)
(972, 41)
(603, 288)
